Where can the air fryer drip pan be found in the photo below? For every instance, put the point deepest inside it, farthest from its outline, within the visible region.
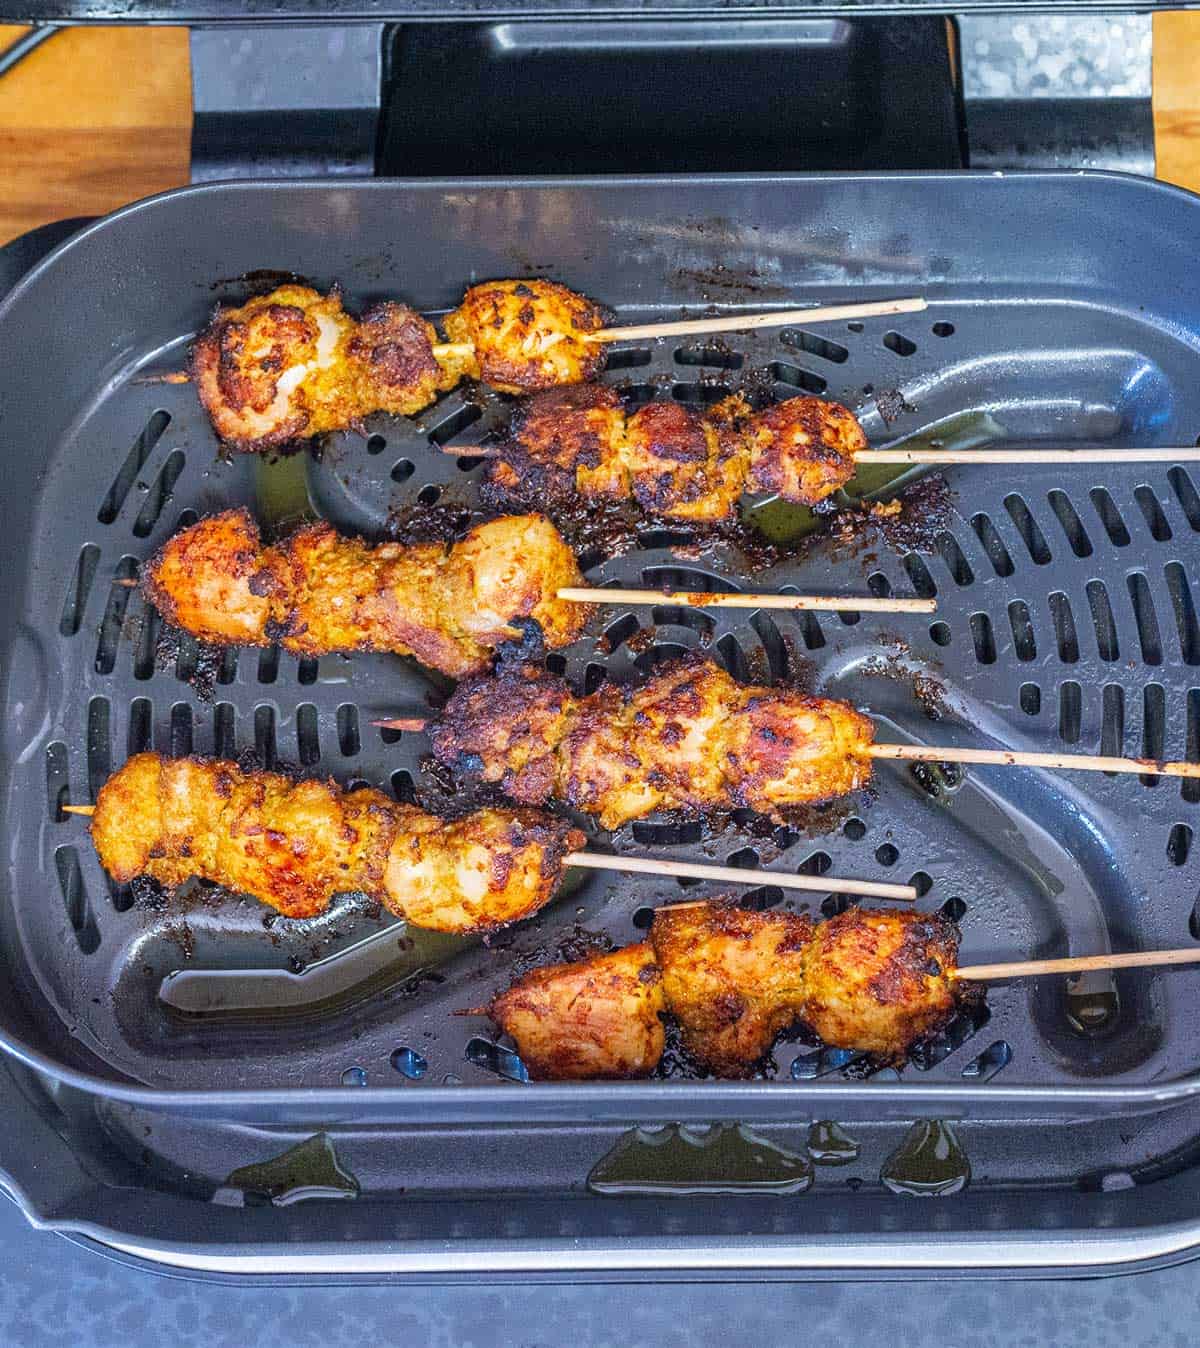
(1065, 619)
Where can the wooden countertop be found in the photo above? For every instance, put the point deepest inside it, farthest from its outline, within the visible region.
(96, 117)
(92, 119)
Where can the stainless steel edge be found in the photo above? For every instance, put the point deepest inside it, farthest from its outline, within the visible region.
(1064, 1251)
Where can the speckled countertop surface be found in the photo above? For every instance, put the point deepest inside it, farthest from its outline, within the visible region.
(53, 1292)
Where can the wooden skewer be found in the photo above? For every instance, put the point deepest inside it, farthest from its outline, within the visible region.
(1017, 758)
(1168, 454)
(1080, 964)
(403, 723)
(779, 318)
(733, 599)
(823, 884)
(167, 377)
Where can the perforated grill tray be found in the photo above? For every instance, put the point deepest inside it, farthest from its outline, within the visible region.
(1063, 310)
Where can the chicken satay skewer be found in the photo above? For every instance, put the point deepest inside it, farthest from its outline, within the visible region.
(680, 463)
(846, 457)
(317, 592)
(818, 603)
(623, 865)
(733, 979)
(858, 746)
(458, 351)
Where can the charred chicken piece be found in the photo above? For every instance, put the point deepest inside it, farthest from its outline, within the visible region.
(802, 449)
(293, 364)
(317, 592)
(878, 981)
(527, 335)
(597, 1019)
(733, 979)
(295, 844)
(689, 738)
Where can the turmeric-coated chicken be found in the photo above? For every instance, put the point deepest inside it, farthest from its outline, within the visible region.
(596, 1019)
(879, 981)
(527, 335)
(676, 462)
(689, 738)
(733, 979)
(295, 844)
(293, 364)
(318, 592)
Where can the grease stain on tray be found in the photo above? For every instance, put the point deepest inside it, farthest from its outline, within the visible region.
(829, 1144)
(929, 1163)
(676, 1161)
(309, 1170)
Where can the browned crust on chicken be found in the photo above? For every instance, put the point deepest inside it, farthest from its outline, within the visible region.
(526, 334)
(689, 738)
(295, 844)
(803, 449)
(682, 465)
(674, 461)
(507, 729)
(870, 981)
(733, 978)
(393, 346)
(318, 592)
(559, 446)
(879, 981)
(294, 364)
(598, 1019)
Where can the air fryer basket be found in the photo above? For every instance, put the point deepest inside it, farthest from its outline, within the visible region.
(1062, 309)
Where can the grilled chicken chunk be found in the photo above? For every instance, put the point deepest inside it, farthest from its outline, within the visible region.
(597, 1019)
(294, 364)
(880, 981)
(295, 844)
(527, 335)
(733, 979)
(318, 592)
(690, 738)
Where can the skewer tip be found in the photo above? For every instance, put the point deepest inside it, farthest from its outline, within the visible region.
(167, 377)
(86, 810)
